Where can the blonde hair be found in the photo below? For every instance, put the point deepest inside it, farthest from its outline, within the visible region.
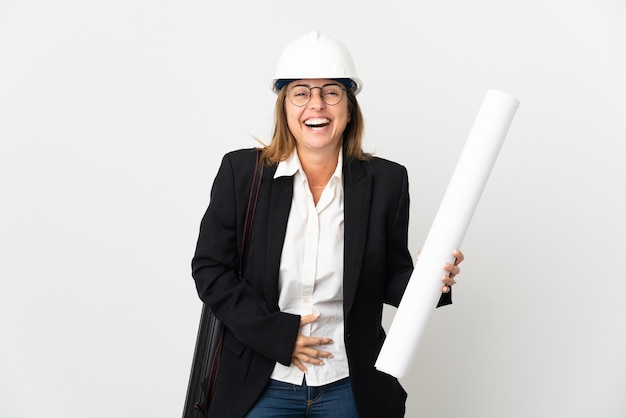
(283, 142)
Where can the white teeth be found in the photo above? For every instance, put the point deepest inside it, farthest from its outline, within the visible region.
(317, 122)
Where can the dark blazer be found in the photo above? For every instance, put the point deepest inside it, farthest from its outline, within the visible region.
(377, 267)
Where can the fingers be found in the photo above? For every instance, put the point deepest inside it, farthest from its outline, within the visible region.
(447, 284)
(306, 348)
(311, 355)
(453, 270)
(304, 352)
(315, 358)
(304, 341)
(448, 279)
(299, 364)
(459, 256)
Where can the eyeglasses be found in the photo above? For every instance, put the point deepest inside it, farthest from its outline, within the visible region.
(299, 95)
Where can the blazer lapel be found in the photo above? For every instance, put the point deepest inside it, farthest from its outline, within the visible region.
(281, 194)
(357, 194)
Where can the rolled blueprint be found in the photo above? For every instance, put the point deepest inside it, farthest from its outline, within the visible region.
(447, 231)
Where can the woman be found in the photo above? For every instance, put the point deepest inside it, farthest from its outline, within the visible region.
(328, 247)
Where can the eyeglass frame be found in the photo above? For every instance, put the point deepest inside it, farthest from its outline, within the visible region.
(343, 90)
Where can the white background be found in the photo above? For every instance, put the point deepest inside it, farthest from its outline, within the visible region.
(113, 119)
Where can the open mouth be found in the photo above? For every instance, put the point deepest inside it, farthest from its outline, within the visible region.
(317, 123)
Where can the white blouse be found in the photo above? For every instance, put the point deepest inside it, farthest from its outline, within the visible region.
(311, 271)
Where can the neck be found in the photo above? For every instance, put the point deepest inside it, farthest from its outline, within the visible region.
(318, 168)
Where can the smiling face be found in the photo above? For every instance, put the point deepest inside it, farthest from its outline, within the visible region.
(316, 126)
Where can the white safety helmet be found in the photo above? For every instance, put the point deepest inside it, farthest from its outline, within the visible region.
(316, 55)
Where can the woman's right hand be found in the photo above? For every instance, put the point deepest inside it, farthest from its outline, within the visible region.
(305, 350)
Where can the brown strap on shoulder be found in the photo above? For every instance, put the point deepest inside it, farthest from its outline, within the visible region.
(253, 198)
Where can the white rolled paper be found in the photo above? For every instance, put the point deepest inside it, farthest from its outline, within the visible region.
(447, 231)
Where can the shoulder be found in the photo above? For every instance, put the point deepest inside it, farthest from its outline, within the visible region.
(377, 166)
(379, 163)
(235, 170)
(240, 156)
(239, 167)
(239, 162)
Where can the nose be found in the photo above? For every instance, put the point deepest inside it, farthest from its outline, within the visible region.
(316, 101)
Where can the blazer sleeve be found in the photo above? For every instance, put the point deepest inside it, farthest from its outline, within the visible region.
(400, 265)
(215, 263)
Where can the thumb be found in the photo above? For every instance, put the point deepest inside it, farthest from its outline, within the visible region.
(307, 319)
